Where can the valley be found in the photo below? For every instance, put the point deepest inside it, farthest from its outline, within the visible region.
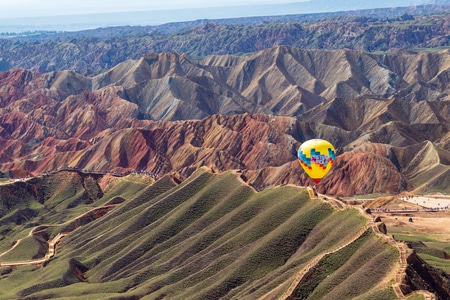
(161, 162)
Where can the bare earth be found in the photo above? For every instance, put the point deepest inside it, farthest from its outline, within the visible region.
(425, 222)
(434, 222)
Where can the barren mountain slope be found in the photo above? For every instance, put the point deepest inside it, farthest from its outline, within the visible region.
(263, 147)
(65, 119)
(281, 81)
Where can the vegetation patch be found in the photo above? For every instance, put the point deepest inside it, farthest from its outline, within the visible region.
(337, 273)
(209, 237)
(430, 247)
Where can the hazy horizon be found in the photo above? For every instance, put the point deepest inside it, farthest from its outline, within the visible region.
(77, 17)
(49, 8)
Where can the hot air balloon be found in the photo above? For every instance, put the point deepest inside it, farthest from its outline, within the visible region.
(316, 157)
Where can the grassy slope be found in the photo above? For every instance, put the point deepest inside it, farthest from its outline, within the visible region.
(29, 247)
(351, 272)
(430, 247)
(207, 238)
(52, 200)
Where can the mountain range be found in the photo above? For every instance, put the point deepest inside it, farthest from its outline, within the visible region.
(168, 113)
(128, 171)
(92, 52)
(34, 17)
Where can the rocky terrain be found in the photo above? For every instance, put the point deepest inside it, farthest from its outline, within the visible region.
(94, 51)
(228, 215)
(386, 114)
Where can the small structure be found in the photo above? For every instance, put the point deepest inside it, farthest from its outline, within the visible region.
(312, 192)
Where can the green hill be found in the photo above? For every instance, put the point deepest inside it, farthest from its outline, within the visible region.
(210, 237)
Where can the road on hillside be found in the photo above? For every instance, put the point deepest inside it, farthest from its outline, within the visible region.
(51, 243)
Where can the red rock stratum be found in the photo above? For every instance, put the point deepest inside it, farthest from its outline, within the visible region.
(387, 117)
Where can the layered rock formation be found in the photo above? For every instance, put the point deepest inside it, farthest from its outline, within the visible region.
(387, 119)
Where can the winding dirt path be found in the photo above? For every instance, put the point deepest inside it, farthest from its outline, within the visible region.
(402, 248)
(50, 253)
(403, 259)
(299, 276)
(18, 241)
(52, 243)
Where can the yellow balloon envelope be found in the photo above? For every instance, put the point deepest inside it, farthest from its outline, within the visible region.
(316, 157)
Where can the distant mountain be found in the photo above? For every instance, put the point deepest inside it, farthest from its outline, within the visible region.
(59, 19)
(389, 111)
(317, 6)
(91, 52)
(284, 81)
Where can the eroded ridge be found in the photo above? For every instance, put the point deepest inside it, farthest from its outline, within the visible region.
(316, 260)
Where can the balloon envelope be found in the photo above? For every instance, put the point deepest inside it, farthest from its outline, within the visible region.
(316, 157)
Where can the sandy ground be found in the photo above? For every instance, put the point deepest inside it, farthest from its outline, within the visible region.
(430, 222)
(423, 222)
(440, 202)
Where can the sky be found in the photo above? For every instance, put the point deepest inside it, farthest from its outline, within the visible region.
(33, 8)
